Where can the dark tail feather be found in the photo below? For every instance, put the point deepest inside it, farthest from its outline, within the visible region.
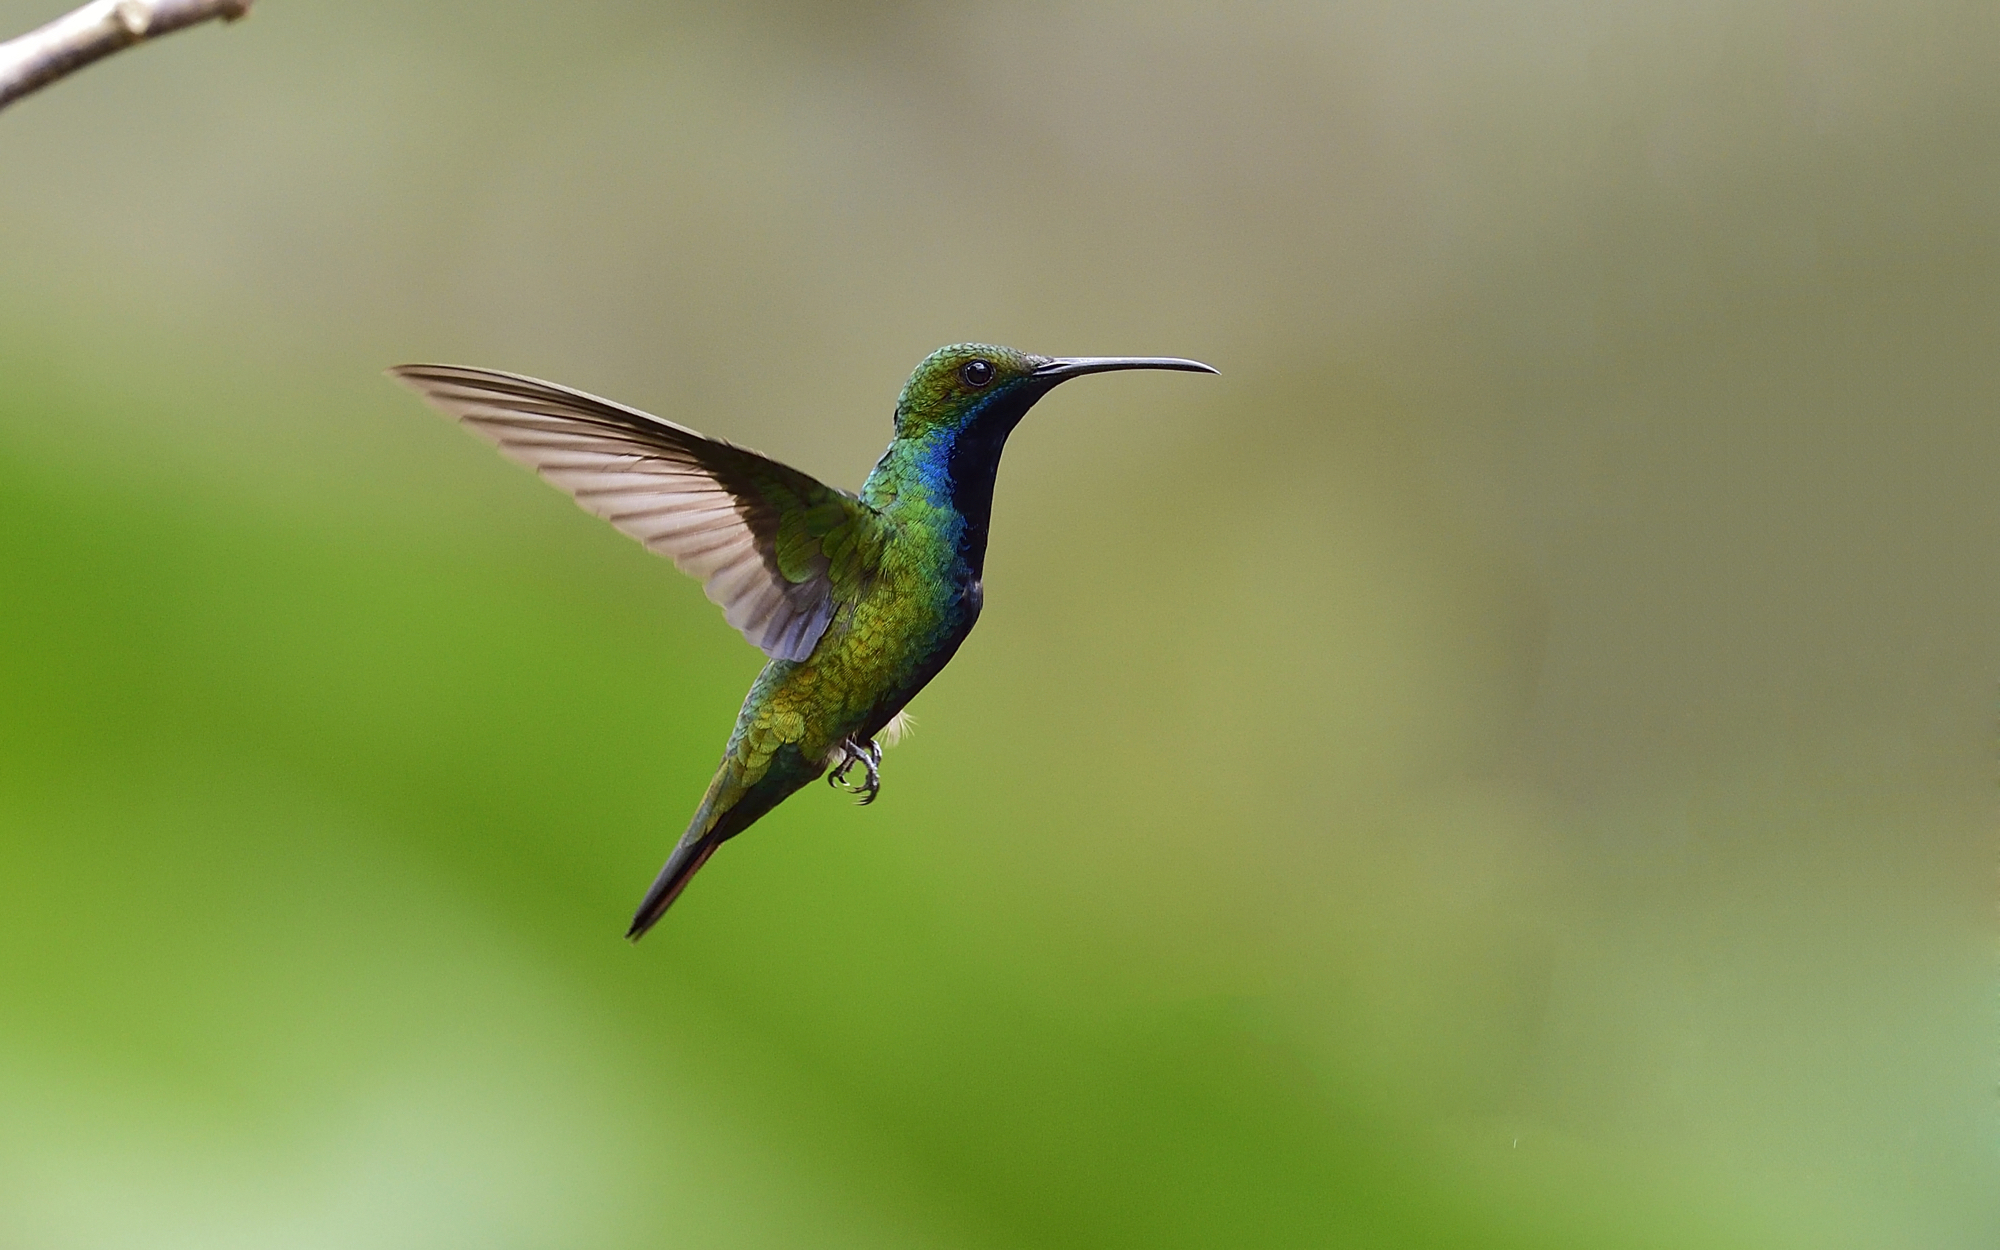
(686, 861)
(725, 811)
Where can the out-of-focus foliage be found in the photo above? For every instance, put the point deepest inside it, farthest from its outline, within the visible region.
(1507, 764)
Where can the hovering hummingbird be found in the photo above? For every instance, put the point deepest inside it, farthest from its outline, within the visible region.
(858, 600)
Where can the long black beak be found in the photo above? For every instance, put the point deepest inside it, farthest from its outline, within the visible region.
(1062, 369)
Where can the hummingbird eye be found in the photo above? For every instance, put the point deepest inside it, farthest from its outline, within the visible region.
(976, 373)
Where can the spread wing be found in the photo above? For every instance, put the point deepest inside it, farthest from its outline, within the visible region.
(771, 545)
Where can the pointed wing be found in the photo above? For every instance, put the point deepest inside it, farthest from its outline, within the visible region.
(769, 543)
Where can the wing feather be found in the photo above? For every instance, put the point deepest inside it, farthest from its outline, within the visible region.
(714, 509)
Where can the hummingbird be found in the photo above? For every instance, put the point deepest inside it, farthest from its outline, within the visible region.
(857, 600)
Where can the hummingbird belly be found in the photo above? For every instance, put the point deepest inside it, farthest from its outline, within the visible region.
(875, 656)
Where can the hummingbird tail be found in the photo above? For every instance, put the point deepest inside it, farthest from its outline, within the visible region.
(686, 861)
(726, 810)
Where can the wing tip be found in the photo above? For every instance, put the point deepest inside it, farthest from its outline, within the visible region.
(429, 380)
(408, 374)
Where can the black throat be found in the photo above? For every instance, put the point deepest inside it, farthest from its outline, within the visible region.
(974, 463)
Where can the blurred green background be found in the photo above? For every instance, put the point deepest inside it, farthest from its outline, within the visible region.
(1509, 763)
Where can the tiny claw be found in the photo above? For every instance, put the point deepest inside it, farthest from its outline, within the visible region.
(869, 756)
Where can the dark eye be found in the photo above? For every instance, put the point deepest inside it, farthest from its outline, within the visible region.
(976, 373)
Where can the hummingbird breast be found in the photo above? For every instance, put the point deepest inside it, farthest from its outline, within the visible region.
(894, 630)
(882, 646)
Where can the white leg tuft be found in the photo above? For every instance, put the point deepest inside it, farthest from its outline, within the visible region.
(897, 729)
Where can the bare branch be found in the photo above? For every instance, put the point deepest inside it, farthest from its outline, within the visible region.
(94, 32)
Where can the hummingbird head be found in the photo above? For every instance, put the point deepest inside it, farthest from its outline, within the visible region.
(953, 419)
(980, 391)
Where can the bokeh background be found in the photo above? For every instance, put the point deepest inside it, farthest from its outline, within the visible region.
(1509, 763)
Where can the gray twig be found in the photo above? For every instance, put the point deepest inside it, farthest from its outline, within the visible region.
(94, 32)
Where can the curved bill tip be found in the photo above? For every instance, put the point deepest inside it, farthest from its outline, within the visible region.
(1062, 368)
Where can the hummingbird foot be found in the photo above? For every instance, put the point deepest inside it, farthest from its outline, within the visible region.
(868, 754)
